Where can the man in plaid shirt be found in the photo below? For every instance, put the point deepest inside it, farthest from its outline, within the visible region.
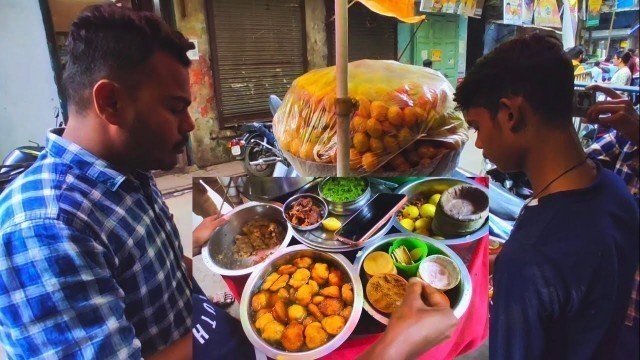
(91, 264)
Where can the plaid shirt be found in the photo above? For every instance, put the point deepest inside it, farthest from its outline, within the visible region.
(90, 262)
(616, 149)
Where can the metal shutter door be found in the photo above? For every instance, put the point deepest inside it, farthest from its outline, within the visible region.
(371, 35)
(259, 51)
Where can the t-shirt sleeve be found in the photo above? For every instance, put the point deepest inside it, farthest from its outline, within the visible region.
(58, 297)
(524, 301)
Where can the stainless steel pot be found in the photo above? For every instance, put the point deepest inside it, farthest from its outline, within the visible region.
(283, 257)
(460, 302)
(430, 186)
(347, 207)
(218, 255)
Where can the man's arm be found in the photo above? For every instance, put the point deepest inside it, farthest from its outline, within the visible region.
(58, 297)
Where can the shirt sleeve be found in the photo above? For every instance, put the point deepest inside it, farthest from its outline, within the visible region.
(58, 297)
(606, 148)
(524, 302)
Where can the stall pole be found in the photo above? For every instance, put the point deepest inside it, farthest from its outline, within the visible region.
(344, 105)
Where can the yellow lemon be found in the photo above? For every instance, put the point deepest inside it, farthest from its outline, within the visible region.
(408, 224)
(427, 210)
(331, 224)
(437, 237)
(411, 212)
(434, 199)
(423, 223)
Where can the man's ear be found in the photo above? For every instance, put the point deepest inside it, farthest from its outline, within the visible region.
(107, 98)
(510, 114)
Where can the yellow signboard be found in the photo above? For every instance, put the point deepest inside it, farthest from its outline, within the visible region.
(436, 55)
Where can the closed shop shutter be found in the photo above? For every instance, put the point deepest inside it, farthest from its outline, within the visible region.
(371, 35)
(257, 50)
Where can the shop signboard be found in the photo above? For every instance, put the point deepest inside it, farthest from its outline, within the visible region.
(546, 14)
(512, 12)
(527, 12)
(593, 15)
(436, 55)
(624, 4)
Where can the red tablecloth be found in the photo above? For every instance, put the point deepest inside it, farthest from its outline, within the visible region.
(472, 329)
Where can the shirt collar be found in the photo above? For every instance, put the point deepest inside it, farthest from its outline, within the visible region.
(82, 160)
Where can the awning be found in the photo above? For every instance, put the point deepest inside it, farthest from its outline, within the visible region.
(615, 34)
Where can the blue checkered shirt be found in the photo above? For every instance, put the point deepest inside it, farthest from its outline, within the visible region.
(614, 148)
(90, 262)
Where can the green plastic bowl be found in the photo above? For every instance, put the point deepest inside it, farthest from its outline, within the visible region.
(409, 271)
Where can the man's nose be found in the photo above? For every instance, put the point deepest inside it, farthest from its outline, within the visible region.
(187, 124)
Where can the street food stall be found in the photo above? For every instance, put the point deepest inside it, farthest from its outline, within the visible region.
(312, 286)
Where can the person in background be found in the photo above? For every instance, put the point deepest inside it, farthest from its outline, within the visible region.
(421, 322)
(91, 263)
(635, 62)
(608, 69)
(622, 77)
(563, 279)
(596, 72)
(576, 54)
(427, 63)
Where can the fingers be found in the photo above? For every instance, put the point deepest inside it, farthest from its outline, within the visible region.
(609, 92)
(413, 295)
(598, 110)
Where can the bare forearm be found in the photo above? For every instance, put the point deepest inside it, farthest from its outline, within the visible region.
(179, 350)
(385, 348)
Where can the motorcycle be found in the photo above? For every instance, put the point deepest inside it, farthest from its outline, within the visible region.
(258, 147)
(17, 162)
(515, 183)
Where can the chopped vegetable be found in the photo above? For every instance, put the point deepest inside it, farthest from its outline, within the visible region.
(342, 189)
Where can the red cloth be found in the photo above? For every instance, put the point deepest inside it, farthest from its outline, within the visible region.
(473, 327)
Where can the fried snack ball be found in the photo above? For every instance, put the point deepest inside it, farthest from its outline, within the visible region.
(404, 137)
(308, 320)
(292, 293)
(296, 313)
(280, 283)
(355, 159)
(387, 128)
(426, 152)
(260, 300)
(391, 144)
(369, 161)
(320, 273)
(347, 293)
(395, 116)
(410, 116)
(364, 107)
(335, 277)
(374, 128)
(279, 312)
(317, 299)
(333, 324)
(293, 337)
(264, 320)
(303, 262)
(361, 142)
(331, 306)
(412, 158)
(359, 124)
(299, 278)
(283, 294)
(306, 152)
(272, 332)
(315, 336)
(331, 291)
(378, 110)
(376, 145)
(315, 311)
(346, 312)
(294, 146)
(270, 280)
(304, 294)
(262, 312)
(315, 286)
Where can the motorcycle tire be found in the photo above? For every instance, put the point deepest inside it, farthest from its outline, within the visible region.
(254, 153)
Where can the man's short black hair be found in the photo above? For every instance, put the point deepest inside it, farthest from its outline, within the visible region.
(427, 63)
(575, 52)
(111, 42)
(632, 51)
(534, 67)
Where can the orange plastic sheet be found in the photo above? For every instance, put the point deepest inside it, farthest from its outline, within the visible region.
(400, 9)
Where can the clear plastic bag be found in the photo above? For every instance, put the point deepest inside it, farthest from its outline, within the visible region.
(405, 122)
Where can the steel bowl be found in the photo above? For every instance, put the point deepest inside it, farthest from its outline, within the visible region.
(460, 296)
(347, 207)
(430, 186)
(324, 209)
(283, 257)
(218, 255)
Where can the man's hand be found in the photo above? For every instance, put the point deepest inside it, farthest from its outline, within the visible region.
(422, 321)
(622, 117)
(203, 232)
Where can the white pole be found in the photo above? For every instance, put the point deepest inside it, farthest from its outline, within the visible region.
(342, 61)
